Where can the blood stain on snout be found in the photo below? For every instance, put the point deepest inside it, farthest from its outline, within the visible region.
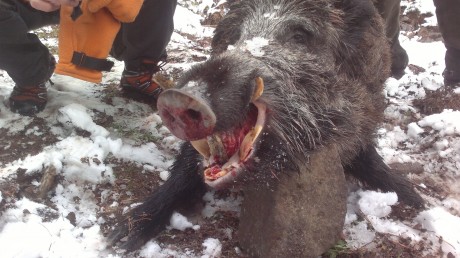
(188, 117)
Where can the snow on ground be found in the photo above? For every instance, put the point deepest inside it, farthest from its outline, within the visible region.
(432, 141)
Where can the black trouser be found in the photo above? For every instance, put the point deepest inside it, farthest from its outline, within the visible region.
(148, 35)
(25, 58)
(22, 54)
(448, 15)
(389, 10)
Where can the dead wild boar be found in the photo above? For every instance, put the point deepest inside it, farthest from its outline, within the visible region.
(286, 78)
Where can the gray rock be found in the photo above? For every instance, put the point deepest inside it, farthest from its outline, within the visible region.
(301, 215)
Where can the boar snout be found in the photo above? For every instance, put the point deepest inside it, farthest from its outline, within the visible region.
(187, 117)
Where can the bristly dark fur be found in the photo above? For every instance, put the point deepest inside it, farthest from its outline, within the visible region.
(330, 90)
(324, 68)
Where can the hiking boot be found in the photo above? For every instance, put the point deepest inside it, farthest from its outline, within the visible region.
(139, 82)
(390, 12)
(399, 60)
(452, 72)
(451, 77)
(28, 100)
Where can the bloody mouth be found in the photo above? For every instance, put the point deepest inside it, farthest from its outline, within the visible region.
(227, 152)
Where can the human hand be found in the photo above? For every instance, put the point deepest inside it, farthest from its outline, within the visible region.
(45, 5)
(72, 3)
(51, 5)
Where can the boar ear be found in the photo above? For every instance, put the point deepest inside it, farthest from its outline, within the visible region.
(358, 17)
(228, 31)
(361, 31)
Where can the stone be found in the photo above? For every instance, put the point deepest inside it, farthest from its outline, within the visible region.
(300, 215)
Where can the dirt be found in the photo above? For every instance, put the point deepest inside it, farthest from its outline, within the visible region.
(438, 100)
(16, 144)
(411, 24)
(132, 187)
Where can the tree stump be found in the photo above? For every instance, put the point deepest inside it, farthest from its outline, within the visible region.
(301, 214)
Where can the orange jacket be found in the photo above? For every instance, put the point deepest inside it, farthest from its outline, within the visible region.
(91, 35)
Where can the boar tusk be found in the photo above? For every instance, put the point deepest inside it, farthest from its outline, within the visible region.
(259, 89)
(202, 147)
(248, 142)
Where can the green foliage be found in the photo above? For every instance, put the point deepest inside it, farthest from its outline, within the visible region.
(339, 248)
(140, 136)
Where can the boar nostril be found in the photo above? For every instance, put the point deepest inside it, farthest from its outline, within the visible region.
(193, 114)
(188, 117)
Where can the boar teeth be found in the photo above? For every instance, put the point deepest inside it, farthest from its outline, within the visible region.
(216, 147)
(202, 147)
(211, 177)
(211, 147)
(248, 142)
(258, 90)
(251, 137)
(229, 167)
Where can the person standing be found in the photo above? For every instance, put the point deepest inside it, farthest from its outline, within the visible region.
(448, 16)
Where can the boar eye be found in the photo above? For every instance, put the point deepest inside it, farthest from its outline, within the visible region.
(300, 36)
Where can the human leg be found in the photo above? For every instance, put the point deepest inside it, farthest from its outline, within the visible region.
(389, 10)
(142, 45)
(23, 56)
(448, 15)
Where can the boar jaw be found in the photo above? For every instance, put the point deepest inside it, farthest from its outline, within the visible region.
(217, 148)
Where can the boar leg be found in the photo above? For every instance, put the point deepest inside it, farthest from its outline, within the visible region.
(369, 168)
(148, 219)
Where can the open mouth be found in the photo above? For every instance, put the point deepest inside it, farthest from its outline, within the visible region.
(227, 152)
